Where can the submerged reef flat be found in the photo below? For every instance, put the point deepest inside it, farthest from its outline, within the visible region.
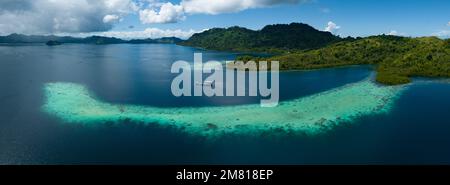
(309, 115)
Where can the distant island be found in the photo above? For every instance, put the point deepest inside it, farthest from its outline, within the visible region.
(299, 46)
(53, 43)
(52, 39)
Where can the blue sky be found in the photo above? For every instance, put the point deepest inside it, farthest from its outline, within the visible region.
(355, 17)
(154, 18)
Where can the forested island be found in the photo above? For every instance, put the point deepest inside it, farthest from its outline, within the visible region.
(53, 43)
(100, 40)
(275, 39)
(299, 46)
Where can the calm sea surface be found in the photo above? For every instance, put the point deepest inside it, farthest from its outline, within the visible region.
(416, 131)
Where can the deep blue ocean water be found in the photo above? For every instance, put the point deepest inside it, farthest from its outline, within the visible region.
(416, 131)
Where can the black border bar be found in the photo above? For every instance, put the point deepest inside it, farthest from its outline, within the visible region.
(281, 174)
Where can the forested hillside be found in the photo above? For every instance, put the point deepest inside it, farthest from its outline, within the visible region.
(397, 58)
(277, 38)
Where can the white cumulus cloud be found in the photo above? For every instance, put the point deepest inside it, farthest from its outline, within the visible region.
(229, 6)
(332, 27)
(110, 18)
(168, 13)
(393, 32)
(158, 12)
(396, 33)
(54, 16)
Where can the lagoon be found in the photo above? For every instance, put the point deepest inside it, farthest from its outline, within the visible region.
(412, 129)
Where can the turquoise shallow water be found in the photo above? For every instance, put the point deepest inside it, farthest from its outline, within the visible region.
(310, 115)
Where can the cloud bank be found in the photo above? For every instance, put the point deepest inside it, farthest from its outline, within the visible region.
(147, 33)
(396, 33)
(53, 16)
(85, 16)
(169, 13)
(229, 6)
(442, 33)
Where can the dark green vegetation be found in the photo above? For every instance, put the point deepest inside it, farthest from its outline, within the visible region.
(18, 38)
(397, 58)
(53, 43)
(299, 46)
(271, 39)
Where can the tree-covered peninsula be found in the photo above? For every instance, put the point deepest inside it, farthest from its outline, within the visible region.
(299, 46)
(396, 58)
